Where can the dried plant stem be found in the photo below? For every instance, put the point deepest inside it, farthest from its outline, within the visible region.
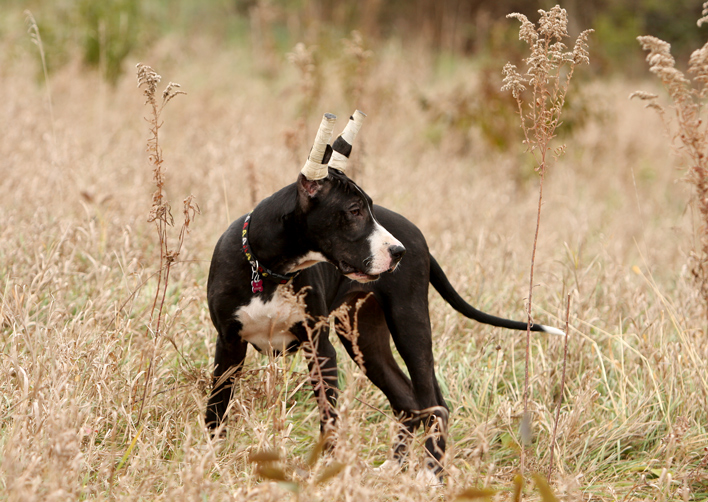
(318, 379)
(161, 214)
(562, 389)
(689, 137)
(148, 373)
(359, 56)
(526, 417)
(303, 58)
(490, 398)
(548, 84)
(33, 31)
(542, 172)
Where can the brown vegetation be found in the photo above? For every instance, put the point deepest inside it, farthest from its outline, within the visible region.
(77, 283)
(549, 70)
(686, 129)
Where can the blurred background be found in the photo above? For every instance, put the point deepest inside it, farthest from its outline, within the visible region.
(441, 145)
(111, 31)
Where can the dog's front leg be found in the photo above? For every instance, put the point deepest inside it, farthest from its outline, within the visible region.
(228, 361)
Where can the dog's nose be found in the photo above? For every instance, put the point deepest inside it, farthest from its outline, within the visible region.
(397, 252)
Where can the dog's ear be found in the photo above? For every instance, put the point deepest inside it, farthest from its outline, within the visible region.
(307, 190)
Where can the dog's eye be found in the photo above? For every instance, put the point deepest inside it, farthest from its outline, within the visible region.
(355, 211)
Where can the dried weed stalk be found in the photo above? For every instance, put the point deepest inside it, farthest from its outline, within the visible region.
(562, 390)
(321, 382)
(347, 325)
(314, 327)
(550, 68)
(355, 68)
(303, 58)
(160, 212)
(33, 31)
(688, 133)
(297, 475)
(252, 180)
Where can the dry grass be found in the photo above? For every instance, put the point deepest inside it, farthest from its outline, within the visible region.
(548, 74)
(77, 279)
(685, 127)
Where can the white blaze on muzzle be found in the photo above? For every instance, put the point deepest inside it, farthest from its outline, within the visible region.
(381, 241)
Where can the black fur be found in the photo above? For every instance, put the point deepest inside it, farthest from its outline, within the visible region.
(332, 217)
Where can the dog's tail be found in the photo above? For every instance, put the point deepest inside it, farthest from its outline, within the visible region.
(441, 283)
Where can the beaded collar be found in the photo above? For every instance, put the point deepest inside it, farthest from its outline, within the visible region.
(258, 270)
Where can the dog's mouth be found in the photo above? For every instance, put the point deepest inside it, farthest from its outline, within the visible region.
(355, 274)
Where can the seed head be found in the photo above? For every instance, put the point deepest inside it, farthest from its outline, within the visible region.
(527, 32)
(149, 78)
(703, 19)
(513, 81)
(553, 23)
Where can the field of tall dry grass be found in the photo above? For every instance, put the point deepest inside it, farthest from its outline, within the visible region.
(78, 264)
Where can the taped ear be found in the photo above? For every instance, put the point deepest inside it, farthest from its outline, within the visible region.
(315, 168)
(342, 146)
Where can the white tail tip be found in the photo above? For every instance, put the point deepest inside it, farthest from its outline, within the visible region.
(552, 331)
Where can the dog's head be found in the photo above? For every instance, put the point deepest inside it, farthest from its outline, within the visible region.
(340, 219)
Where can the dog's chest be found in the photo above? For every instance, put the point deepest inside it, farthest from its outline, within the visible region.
(267, 325)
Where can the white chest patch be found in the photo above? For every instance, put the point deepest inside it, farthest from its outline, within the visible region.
(267, 324)
(308, 260)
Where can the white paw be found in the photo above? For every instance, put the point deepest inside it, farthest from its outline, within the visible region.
(388, 467)
(427, 477)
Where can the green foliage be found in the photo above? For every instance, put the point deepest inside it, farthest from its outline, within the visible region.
(111, 31)
(107, 32)
(481, 106)
(75, 349)
(616, 36)
(51, 27)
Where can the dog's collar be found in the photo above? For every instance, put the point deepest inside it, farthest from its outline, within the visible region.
(258, 270)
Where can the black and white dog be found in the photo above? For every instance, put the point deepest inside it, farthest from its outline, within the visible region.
(323, 233)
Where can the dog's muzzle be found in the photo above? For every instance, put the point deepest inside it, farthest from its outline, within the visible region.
(397, 251)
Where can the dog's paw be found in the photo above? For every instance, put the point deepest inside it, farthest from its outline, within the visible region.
(427, 477)
(388, 467)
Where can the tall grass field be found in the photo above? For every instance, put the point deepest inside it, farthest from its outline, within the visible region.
(96, 403)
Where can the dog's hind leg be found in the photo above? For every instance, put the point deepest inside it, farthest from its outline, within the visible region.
(370, 347)
(228, 361)
(411, 332)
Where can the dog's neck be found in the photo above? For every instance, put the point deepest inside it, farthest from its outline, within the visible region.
(274, 235)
